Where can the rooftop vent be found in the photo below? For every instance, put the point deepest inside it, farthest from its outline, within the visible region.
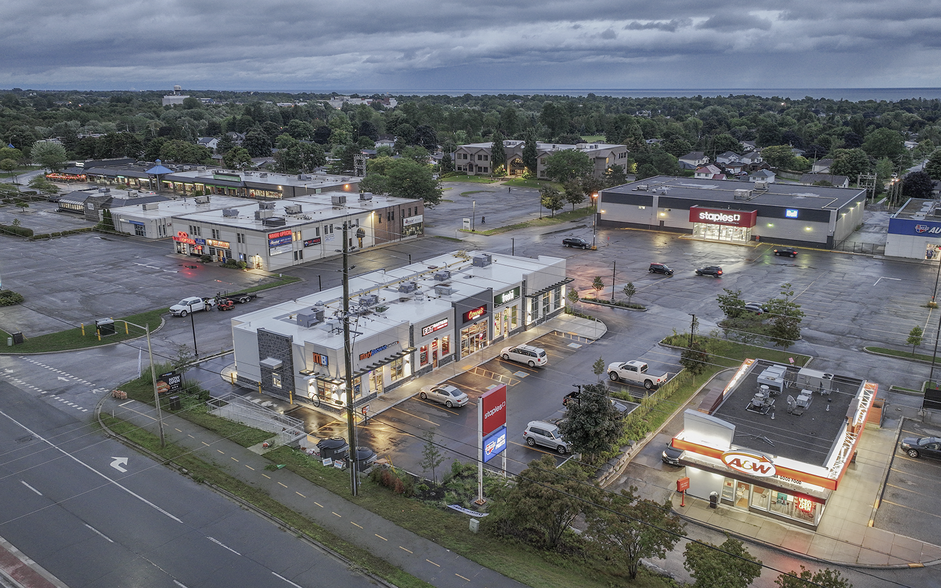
(482, 260)
(310, 318)
(263, 175)
(150, 206)
(369, 300)
(274, 221)
(761, 185)
(263, 214)
(202, 200)
(230, 212)
(338, 199)
(443, 290)
(293, 209)
(365, 196)
(442, 276)
(741, 194)
(407, 287)
(266, 206)
(104, 190)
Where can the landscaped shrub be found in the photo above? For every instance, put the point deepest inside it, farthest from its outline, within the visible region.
(9, 298)
(16, 230)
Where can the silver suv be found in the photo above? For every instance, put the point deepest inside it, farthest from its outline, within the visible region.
(545, 434)
(532, 356)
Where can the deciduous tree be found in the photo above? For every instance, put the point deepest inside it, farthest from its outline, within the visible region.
(786, 316)
(825, 578)
(721, 566)
(593, 425)
(551, 199)
(48, 154)
(569, 164)
(497, 152)
(917, 185)
(626, 529)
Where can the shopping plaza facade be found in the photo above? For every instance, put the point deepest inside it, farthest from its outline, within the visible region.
(404, 322)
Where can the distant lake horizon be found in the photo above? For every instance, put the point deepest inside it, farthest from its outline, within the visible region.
(849, 94)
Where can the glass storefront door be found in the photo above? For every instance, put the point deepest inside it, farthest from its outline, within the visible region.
(473, 338)
(722, 233)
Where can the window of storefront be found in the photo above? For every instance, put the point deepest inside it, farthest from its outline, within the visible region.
(545, 304)
(423, 355)
(760, 497)
(473, 338)
(276, 380)
(557, 298)
(397, 369)
(722, 233)
(139, 230)
(445, 345)
(375, 381)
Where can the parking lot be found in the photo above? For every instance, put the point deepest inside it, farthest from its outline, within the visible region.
(909, 503)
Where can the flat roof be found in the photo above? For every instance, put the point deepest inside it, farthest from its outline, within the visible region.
(808, 438)
(466, 280)
(919, 209)
(720, 192)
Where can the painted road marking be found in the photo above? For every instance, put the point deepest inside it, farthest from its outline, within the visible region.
(381, 537)
(299, 494)
(462, 577)
(282, 484)
(352, 523)
(431, 562)
(403, 549)
(318, 504)
(339, 516)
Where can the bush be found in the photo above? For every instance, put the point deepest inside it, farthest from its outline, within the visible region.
(388, 478)
(16, 230)
(9, 298)
(234, 264)
(206, 259)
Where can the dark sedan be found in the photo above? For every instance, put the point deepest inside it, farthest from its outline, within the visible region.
(671, 455)
(789, 251)
(916, 447)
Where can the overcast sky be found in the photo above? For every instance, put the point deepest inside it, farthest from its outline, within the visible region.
(422, 45)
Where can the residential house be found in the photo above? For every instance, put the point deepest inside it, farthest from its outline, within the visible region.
(825, 180)
(209, 142)
(822, 166)
(709, 172)
(694, 159)
(762, 175)
(727, 158)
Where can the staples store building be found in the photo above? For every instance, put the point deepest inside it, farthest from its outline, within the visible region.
(735, 212)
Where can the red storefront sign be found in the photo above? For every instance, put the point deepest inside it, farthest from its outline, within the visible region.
(475, 313)
(714, 216)
(493, 407)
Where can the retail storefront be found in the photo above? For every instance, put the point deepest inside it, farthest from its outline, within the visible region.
(474, 334)
(722, 225)
(915, 231)
(785, 461)
(506, 313)
(433, 340)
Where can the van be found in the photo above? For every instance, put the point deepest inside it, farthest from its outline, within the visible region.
(531, 356)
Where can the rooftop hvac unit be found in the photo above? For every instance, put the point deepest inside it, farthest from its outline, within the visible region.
(263, 214)
(202, 200)
(293, 209)
(642, 187)
(330, 325)
(338, 199)
(274, 221)
(761, 185)
(442, 276)
(407, 287)
(200, 168)
(133, 194)
(482, 260)
(230, 212)
(263, 175)
(104, 190)
(150, 206)
(741, 194)
(365, 196)
(443, 290)
(310, 318)
(266, 206)
(369, 300)
(303, 177)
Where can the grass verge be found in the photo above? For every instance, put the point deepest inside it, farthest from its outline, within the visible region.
(900, 354)
(546, 221)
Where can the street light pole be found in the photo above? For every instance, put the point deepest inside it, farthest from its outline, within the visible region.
(193, 324)
(474, 218)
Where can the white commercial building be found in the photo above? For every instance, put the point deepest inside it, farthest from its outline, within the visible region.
(404, 322)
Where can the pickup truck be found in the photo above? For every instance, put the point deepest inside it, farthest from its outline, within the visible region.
(635, 372)
(192, 304)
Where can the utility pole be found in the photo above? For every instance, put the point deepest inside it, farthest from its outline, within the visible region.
(614, 277)
(348, 360)
(692, 331)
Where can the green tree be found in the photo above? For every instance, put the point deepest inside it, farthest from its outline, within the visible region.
(573, 193)
(933, 167)
(721, 566)
(431, 456)
(530, 154)
(597, 284)
(49, 155)
(237, 158)
(447, 164)
(850, 163)
(43, 185)
(257, 143)
(551, 199)
(825, 578)
(497, 152)
(778, 156)
(786, 317)
(917, 185)
(629, 291)
(599, 368)
(614, 176)
(8, 165)
(572, 297)
(409, 179)
(542, 504)
(884, 143)
(569, 164)
(626, 529)
(731, 303)
(694, 357)
(593, 425)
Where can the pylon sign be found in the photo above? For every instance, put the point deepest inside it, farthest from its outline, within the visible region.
(491, 418)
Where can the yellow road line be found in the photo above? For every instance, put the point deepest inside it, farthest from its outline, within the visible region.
(381, 537)
(352, 523)
(299, 494)
(431, 562)
(462, 577)
(403, 549)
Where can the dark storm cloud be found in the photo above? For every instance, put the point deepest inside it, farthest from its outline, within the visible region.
(418, 44)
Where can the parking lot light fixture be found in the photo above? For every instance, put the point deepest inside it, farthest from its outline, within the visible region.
(153, 378)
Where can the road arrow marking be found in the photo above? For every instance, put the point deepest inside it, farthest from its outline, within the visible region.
(118, 464)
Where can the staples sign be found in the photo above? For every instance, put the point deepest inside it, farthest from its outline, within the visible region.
(753, 464)
(493, 406)
(735, 218)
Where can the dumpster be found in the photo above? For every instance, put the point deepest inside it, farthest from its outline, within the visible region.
(105, 326)
(17, 338)
(335, 448)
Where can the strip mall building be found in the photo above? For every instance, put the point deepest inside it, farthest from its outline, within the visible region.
(776, 440)
(735, 212)
(404, 322)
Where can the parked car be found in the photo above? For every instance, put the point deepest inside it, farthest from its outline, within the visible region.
(710, 270)
(636, 372)
(571, 397)
(531, 356)
(789, 251)
(660, 268)
(545, 434)
(576, 242)
(446, 394)
(756, 308)
(192, 304)
(671, 455)
(917, 447)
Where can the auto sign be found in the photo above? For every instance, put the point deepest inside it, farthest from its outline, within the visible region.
(753, 464)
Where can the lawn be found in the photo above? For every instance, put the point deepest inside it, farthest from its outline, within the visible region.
(545, 221)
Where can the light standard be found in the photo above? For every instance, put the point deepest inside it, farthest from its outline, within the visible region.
(594, 218)
(153, 377)
(474, 217)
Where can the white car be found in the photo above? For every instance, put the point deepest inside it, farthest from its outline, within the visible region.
(545, 434)
(191, 304)
(531, 356)
(446, 394)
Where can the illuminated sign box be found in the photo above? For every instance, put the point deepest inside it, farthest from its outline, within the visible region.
(494, 444)
(790, 213)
